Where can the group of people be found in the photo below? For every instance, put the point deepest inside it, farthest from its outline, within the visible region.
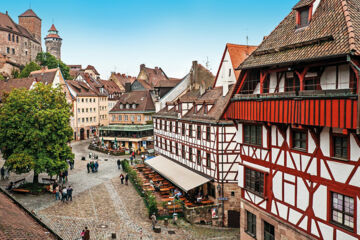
(63, 176)
(92, 166)
(85, 234)
(62, 193)
(71, 163)
(156, 185)
(126, 179)
(4, 173)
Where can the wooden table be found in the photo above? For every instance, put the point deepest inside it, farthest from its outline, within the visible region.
(206, 202)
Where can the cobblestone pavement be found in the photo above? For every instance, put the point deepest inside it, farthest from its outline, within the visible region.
(105, 206)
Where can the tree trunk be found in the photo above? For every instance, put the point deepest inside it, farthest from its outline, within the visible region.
(36, 178)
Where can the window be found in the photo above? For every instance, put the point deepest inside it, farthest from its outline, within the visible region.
(87, 119)
(198, 157)
(176, 127)
(79, 110)
(94, 119)
(121, 106)
(252, 134)
(8, 50)
(90, 100)
(160, 123)
(198, 132)
(90, 119)
(254, 181)
(183, 152)
(170, 147)
(342, 210)
(9, 37)
(299, 139)
(207, 133)
(251, 224)
(90, 109)
(132, 118)
(26, 53)
(120, 117)
(94, 109)
(340, 146)
(165, 125)
(165, 144)
(190, 154)
(87, 110)
(126, 118)
(13, 51)
(303, 17)
(208, 160)
(86, 100)
(292, 82)
(139, 118)
(229, 72)
(269, 231)
(82, 110)
(177, 149)
(134, 106)
(113, 118)
(13, 38)
(183, 129)
(190, 130)
(17, 39)
(83, 120)
(82, 100)
(78, 119)
(211, 190)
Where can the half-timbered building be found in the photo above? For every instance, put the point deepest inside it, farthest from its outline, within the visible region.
(296, 108)
(190, 132)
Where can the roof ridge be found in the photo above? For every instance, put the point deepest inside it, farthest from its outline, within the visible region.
(349, 25)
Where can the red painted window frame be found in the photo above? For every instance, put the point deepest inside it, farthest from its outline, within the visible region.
(292, 130)
(347, 193)
(265, 183)
(298, 16)
(332, 150)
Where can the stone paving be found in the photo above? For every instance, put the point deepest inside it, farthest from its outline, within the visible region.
(105, 206)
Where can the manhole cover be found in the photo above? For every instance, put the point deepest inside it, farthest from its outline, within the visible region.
(103, 226)
(171, 232)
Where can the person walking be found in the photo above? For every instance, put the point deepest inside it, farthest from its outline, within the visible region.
(126, 179)
(64, 194)
(118, 163)
(66, 175)
(2, 172)
(87, 234)
(96, 166)
(153, 220)
(72, 163)
(88, 167)
(57, 192)
(122, 178)
(69, 193)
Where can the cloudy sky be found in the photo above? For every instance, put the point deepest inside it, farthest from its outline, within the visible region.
(119, 35)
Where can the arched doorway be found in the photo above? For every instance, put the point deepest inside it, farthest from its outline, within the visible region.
(82, 131)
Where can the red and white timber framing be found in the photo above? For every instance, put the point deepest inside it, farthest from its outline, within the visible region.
(298, 184)
(224, 151)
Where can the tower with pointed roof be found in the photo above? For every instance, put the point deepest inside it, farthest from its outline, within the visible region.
(53, 42)
(32, 23)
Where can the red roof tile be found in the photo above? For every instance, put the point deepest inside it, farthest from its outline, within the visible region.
(29, 13)
(90, 67)
(142, 99)
(46, 76)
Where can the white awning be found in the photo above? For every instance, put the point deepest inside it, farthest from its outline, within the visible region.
(180, 176)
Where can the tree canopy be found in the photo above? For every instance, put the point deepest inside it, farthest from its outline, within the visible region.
(30, 67)
(46, 59)
(35, 130)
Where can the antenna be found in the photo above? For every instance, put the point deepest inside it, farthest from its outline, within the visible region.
(247, 40)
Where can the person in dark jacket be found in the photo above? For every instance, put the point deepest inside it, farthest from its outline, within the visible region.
(119, 163)
(126, 179)
(87, 234)
(2, 171)
(88, 167)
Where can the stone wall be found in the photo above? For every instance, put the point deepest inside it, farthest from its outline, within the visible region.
(33, 25)
(199, 215)
(283, 231)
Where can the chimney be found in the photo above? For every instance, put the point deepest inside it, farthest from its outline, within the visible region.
(127, 87)
(193, 75)
(142, 66)
(156, 68)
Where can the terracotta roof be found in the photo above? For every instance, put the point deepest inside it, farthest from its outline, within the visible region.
(145, 84)
(8, 85)
(8, 25)
(15, 223)
(153, 75)
(110, 86)
(167, 83)
(29, 13)
(142, 99)
(46, 76)
(95, 84)
(211, 97)
(123, 78)
(81, 88)
(303, 3)
(333, 31)
(77, 66)
(52, 36)
(53, 28)
(90, 67)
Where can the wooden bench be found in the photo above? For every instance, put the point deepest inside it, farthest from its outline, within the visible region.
(20, 190)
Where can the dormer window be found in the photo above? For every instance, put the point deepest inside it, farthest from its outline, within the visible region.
(303, 17)
(127, 106)
(134, 106)
(121, 106)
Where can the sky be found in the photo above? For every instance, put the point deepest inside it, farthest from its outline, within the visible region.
(119, 35)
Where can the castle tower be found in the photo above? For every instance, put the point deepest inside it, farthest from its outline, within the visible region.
(53, 42)
(32, 23)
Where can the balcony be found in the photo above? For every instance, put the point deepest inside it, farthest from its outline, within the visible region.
(325, 108)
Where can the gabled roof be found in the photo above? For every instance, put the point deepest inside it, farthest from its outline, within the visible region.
(333, 31)
(90, 67)
(7, 85)
(142, 99)
(153, 75)
(110, 86)
(95, 84)
(123, 78)
(81, 88)
(29, 13)
(46, 76)
(168, 83)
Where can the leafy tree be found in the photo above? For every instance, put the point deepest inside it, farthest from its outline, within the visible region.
(15, 73)
(30, 67)
(46, 59)
(1, 77)
(35, 130)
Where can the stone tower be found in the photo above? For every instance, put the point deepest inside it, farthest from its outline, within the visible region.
(53, 42)
(32, 23)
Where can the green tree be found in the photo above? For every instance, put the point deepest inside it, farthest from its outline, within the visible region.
(1, 77)
(35, 130)
(46, 59)
(31, 66)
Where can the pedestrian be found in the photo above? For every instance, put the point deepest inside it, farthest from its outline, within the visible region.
(131, 160)
(60, 177)
(57, 193)
(126, 179)
(64, 194)
(88, 167)
(143, 158)
(87, 234)
(92, 166)
(69, 193)
(96, 166)
(7, 173)
(82, 234)
(153, 220)
(66, 175)
(72, 163)
(118, 163)
(122, 178)
(2, 172)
